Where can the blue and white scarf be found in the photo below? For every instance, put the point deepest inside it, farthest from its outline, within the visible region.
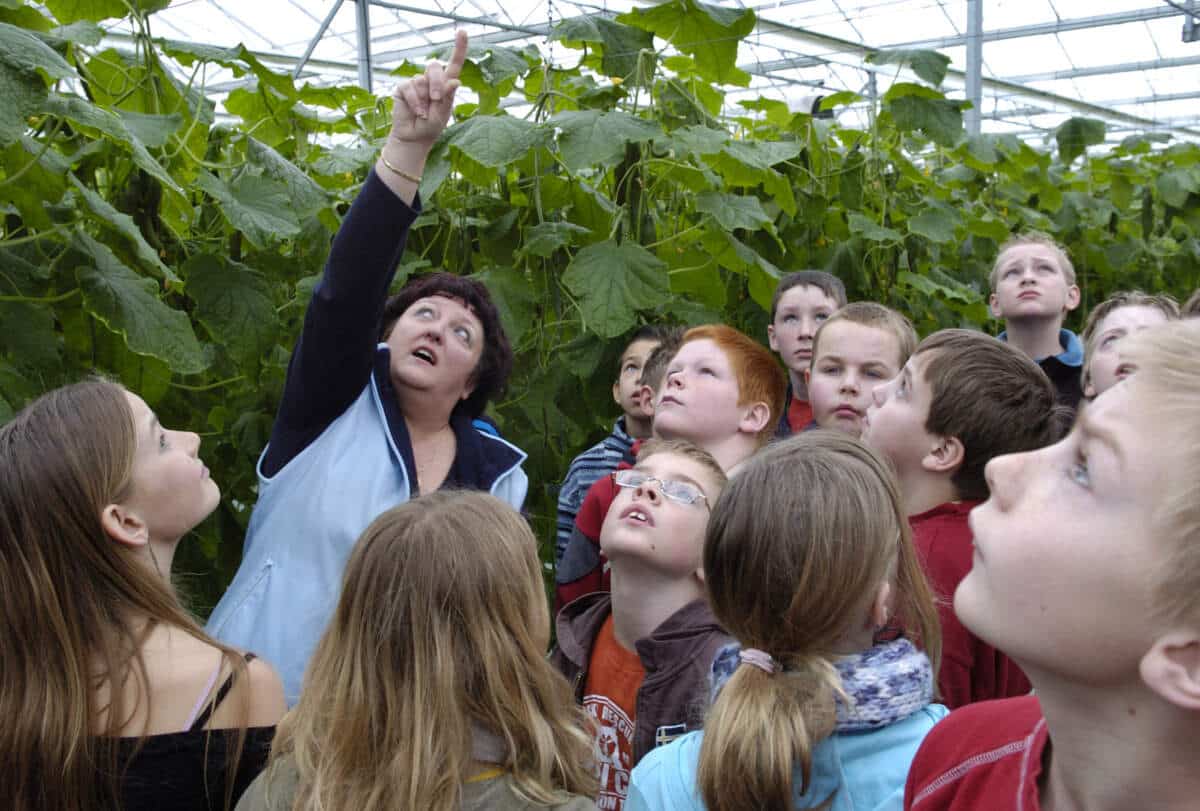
(884, 684)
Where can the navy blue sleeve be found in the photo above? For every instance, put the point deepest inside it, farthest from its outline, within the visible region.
(333, 357)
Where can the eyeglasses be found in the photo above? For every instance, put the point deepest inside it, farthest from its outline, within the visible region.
(679, 492)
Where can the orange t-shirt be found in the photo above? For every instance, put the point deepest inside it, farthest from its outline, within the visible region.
(799, 414)
(610, 697)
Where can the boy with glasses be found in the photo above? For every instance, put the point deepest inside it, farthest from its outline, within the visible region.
(639, 658)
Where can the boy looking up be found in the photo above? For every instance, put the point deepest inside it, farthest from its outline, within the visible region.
(1107, 326)
(723, 391)
(632, 425)
(640, 659)
(859, 347)
(802, 302)
(1033, 289)
(1087, 574)
(961, 399)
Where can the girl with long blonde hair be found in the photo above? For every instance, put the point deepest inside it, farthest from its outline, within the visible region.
(430, 688)
(807, 557)
(111, 695)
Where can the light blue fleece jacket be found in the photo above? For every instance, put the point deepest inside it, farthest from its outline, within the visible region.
(861, 770)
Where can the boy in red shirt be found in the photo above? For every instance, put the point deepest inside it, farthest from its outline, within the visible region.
(961, 399)
(1087, 573)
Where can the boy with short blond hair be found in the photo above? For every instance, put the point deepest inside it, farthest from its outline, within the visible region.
(633, 424)
(640, 658)
(803, 301)
(724, 392)
(859, 347)
(962, 399)
(1086, 572)
(1033, 289)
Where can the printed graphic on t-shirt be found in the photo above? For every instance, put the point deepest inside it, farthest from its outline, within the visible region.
(614, 750)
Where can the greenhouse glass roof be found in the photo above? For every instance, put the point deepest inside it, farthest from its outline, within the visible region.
(1127, 62)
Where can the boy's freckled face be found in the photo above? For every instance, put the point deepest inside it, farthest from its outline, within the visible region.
(655, 531)
(801, 310)
(698, 399)
(1065, 549)
(852, 360)
(626, 391)
(1104, 366)
(1031, 284)
(895, 422)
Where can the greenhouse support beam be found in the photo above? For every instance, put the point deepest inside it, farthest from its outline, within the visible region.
(312, 45)
(1006, 85)
(1043, 29)
(974, 71)
(1105, 70)
(363, 26)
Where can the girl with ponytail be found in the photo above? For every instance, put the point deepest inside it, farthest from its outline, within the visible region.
(807, 557)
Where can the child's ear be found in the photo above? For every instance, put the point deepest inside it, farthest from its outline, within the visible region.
(946, 456)
(1089, 388)
(994, 307)
(645, 402)
(808, 376)
(771, 338)
(617, 392)
(1171, 668)
(755, 418)
(124, 525)
(1073, 297)
(881, 606)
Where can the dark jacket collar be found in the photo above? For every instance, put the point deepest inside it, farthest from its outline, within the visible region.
(479, 459)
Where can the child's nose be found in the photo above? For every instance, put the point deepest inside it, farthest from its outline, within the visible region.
(647, 490)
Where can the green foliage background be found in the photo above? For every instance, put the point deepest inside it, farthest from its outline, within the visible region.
(146, 240)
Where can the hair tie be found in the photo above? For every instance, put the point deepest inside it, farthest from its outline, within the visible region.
(758, 658)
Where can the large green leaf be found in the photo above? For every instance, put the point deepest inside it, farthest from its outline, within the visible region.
(25, 64)
(709, 34)
(152, 130)
(929, 65)
(867, 228)
(733, 210)
(1076, 134)
(514, 297)
(590, 137)
(235, 304)
(613, 282)
(939, 119)
(127, 304)
(256, 206)
(124, 225)
(307, 198)
(619, 45)
(936, 222)
(115, 128)
(68, 11)
(545, 238)
(1175, 185)
(494, 140)
(27, 54)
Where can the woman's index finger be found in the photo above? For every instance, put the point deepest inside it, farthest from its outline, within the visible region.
(454, 69)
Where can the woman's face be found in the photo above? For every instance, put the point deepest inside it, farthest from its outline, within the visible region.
(170, 491)
(436, 345)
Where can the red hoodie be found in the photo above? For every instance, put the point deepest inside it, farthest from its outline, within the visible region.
(972, 670)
